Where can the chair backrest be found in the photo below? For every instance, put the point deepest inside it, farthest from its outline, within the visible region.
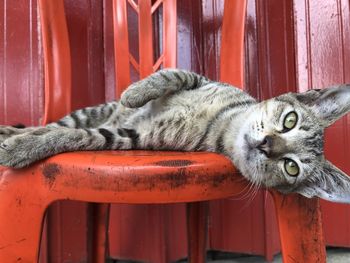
(57, 52)
(146, 65)
(57, 57)
(57, 60)
(232, 51)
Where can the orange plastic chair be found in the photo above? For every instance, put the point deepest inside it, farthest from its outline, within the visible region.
(157, 177)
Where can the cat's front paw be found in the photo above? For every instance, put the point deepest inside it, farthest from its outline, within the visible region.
(131, 99)
(138, 94)
(18, 151)
(9, 131)
(6, 132)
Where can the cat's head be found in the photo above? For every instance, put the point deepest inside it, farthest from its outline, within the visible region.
(282, 143)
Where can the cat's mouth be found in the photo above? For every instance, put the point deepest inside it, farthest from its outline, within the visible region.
(251, 148)
(254, 160)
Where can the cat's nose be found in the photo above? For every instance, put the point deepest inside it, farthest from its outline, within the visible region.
(266, 145)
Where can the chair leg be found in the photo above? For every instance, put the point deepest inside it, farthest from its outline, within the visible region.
(20, 229)
(300, 227)
(100, 213)
(197, 229)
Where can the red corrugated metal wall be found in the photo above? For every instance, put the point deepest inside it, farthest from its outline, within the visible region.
(322, 31)
(21, 83)
(289, 46)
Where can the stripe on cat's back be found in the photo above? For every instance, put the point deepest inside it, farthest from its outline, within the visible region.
(114, 104)
(109, 137)
(110, 110)
(195, 82)
(219, 143)
(132, 134)
(232, 106)
(161, 135)
(62, 123)
(19, 126)
(76, 119)
(122, 133)
(93, 113)
(211, 122)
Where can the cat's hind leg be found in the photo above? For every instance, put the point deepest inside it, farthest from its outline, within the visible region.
(89, 117)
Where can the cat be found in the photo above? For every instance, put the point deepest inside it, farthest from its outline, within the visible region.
(277, 143)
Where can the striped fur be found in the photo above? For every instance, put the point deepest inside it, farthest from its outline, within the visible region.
(180, 110)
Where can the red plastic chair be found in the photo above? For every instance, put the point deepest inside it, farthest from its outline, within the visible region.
(157, 176)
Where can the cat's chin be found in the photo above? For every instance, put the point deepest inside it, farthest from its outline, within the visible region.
(247, 164)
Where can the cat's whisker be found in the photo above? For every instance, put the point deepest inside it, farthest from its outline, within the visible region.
(252, 191)
(251, 198)
(249, 189)
(265, 199)
(241, 194)
(244, 193)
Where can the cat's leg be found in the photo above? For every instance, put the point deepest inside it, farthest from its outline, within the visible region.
(8, 131)
(162, 82)
(89, 117)
(21, 150)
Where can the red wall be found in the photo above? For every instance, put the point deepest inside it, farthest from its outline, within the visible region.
(322, 32)
(288, 48)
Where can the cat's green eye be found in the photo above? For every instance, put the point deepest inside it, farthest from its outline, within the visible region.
(290, 121)
(291, 167)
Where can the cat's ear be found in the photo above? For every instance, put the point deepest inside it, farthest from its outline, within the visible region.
(329, 183)
(328, 104)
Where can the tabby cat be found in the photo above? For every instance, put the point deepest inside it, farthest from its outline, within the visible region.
(276, 143)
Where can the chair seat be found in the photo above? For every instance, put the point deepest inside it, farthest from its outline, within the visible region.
(128, 177)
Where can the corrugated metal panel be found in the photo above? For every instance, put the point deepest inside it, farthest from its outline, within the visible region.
(323, 57)
(21, 69)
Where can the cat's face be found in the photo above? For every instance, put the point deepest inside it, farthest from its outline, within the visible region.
(281, 144)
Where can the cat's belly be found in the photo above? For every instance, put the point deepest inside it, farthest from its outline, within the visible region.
(178, 128)
(179, 121)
